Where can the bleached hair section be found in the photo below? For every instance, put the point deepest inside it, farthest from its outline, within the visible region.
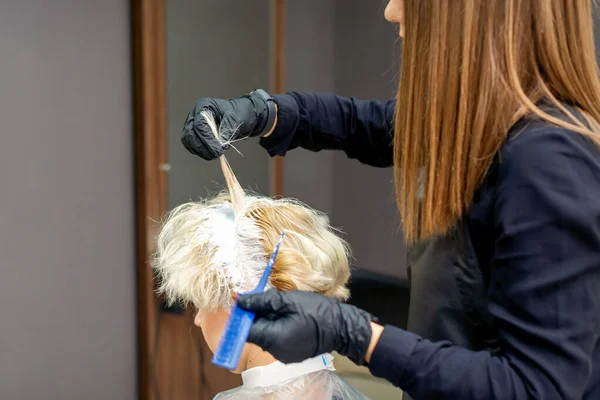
(205, 254)
(193, 266)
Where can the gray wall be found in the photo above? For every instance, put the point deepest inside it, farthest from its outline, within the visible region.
(221, 49)
(310, 45)
(364, 196)
(346, 47)
(67, 285)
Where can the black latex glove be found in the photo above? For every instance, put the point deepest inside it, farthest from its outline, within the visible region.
(252, 114)
(294, 326)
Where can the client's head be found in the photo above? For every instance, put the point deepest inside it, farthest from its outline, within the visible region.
(208, 251)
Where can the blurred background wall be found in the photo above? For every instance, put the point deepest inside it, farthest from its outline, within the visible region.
(220, 49)
(67, 283)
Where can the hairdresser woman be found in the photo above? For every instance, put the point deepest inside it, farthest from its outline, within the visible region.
(496, 149)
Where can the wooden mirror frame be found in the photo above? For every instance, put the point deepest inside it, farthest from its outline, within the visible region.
(148, 47)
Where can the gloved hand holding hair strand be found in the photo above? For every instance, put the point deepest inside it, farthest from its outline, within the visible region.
(253, 114)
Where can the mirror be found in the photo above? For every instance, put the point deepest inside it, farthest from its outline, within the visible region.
(187, 49)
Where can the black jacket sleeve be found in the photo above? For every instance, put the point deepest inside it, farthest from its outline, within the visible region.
(544, 289)
(319, 121)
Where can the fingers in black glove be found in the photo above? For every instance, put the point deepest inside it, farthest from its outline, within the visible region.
(294, 326)
(197, 136)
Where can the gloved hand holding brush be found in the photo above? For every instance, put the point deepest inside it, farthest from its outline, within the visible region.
(294, 326)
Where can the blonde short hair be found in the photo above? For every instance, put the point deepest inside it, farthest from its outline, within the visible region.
(312, 257)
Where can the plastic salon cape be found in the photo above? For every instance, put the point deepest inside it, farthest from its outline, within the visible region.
(311, 379)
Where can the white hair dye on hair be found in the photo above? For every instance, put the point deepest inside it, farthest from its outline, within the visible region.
(237, 247)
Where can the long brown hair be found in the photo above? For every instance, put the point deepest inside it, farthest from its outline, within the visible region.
(470, 70)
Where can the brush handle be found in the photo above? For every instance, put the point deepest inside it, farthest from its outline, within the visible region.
(234, 338)
(265, 276)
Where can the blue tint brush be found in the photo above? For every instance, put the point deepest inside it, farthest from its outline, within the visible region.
(239, 323)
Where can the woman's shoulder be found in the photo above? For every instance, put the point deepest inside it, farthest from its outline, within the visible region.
(534, 144)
